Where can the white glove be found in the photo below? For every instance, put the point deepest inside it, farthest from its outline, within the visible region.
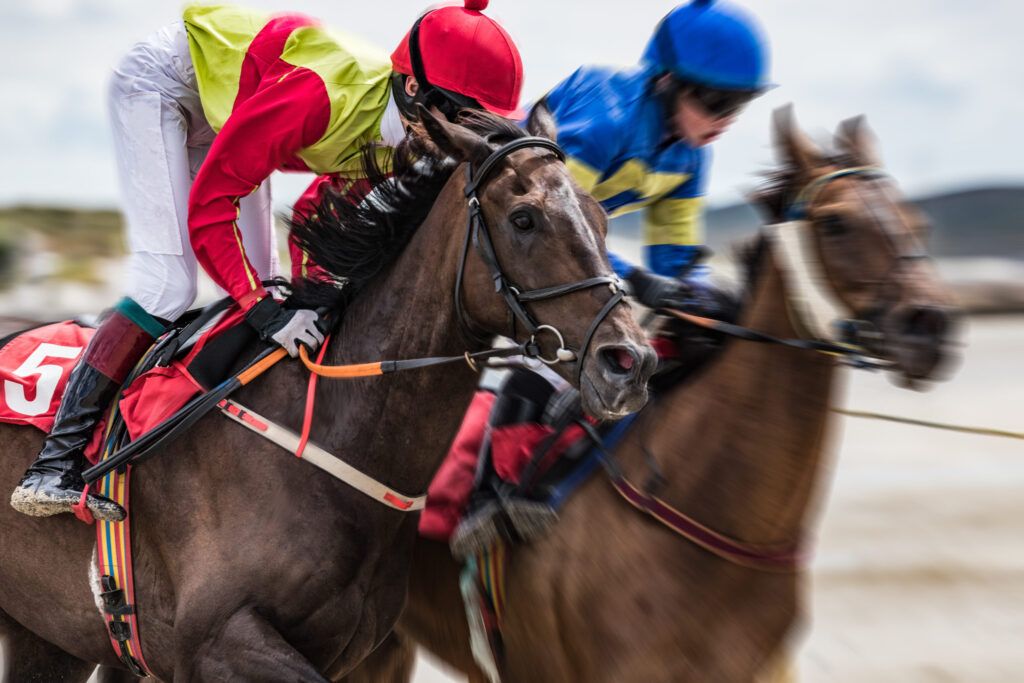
(300, 328)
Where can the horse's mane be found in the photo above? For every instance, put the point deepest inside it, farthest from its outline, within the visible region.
(353, 238)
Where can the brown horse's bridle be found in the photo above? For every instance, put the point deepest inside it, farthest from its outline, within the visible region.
(516, 299)
(861, 328)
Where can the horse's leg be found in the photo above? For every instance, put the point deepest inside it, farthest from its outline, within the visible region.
(245, 648)
(27, 657)
(392, 662)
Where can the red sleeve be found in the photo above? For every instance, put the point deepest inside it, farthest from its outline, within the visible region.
(261, 135)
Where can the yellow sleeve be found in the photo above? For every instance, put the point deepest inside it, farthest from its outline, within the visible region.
(675, 221)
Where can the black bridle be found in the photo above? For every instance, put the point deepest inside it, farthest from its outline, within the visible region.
(516, 299)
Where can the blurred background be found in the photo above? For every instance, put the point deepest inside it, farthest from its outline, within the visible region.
(920, 568)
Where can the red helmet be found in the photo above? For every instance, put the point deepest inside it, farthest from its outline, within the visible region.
(463, 51)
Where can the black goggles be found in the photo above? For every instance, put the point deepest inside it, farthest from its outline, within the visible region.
(719, 103)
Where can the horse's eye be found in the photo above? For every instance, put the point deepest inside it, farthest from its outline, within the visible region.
(832, 225)
(522, 220)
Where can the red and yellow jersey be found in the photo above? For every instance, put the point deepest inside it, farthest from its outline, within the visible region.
(283, 93)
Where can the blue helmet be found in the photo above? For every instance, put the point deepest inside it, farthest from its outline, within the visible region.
(714, 44)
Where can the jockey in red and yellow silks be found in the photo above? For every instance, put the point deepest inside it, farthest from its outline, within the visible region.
(311, 96)
(203, 112)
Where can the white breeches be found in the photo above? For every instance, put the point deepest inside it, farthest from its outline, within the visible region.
(161, 138)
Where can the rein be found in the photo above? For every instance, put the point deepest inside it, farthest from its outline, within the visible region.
(516, 299)
(807, 301)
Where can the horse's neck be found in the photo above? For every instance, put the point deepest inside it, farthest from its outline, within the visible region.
(741, 444)
(407, 312)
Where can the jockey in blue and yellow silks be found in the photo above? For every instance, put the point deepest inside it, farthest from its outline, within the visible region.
(613, 130)
(637, 138)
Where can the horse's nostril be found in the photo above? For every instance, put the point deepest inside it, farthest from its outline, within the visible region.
(926, 321)
(619, 360)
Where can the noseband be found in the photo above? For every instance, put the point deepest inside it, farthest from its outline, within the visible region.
(515, 298)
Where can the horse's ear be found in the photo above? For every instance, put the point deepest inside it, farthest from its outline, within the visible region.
(855, 138)
(541, 123)
(791, 143)
(456, 141)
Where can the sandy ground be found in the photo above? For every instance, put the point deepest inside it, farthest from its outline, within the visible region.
(919, 574)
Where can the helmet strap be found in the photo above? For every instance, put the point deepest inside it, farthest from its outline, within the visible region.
(667, 89)
(427, 94)
(405, 102)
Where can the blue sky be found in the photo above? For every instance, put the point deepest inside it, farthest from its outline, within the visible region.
(941, 82)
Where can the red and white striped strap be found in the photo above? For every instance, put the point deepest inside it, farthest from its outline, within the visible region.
(315, 455)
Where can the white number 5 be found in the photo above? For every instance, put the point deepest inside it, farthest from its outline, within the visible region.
(49, 376)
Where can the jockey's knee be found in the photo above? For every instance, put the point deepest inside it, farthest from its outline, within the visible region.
(164, 285)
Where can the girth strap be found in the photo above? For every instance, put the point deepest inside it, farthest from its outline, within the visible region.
(315, 455)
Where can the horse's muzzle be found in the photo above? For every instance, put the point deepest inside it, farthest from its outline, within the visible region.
(920, 339)
(614, 381)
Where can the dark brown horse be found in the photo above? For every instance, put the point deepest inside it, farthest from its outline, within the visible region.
(253, 566)
(612, 595)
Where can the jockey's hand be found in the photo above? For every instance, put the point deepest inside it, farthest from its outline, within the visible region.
(694, 295)
(657, 291)
(288, 328)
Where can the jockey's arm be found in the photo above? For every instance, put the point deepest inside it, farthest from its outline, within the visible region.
(673, 233)
(261, 135)
(673, 236)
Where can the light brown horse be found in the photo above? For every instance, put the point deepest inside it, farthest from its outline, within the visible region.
(610, 594)
(254, 566)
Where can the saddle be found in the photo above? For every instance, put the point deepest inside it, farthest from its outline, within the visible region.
(202, 348)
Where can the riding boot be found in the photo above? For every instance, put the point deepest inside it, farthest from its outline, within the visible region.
(533, 516)
(522, 399)
(53, 483)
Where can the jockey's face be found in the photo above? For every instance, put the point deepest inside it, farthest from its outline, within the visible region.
(693, 123)
(700, 114)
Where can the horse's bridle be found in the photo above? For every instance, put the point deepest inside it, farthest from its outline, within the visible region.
(858, 329)
(515, 299)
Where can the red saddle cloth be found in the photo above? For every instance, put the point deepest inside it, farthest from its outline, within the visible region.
(35, 366)
(512, 447)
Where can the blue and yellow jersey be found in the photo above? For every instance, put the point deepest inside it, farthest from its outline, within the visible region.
(613, 130)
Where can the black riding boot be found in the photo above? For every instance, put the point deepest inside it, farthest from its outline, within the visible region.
(53, 483)
(493, 510)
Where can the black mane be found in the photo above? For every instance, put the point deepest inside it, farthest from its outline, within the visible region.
(354, 238)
